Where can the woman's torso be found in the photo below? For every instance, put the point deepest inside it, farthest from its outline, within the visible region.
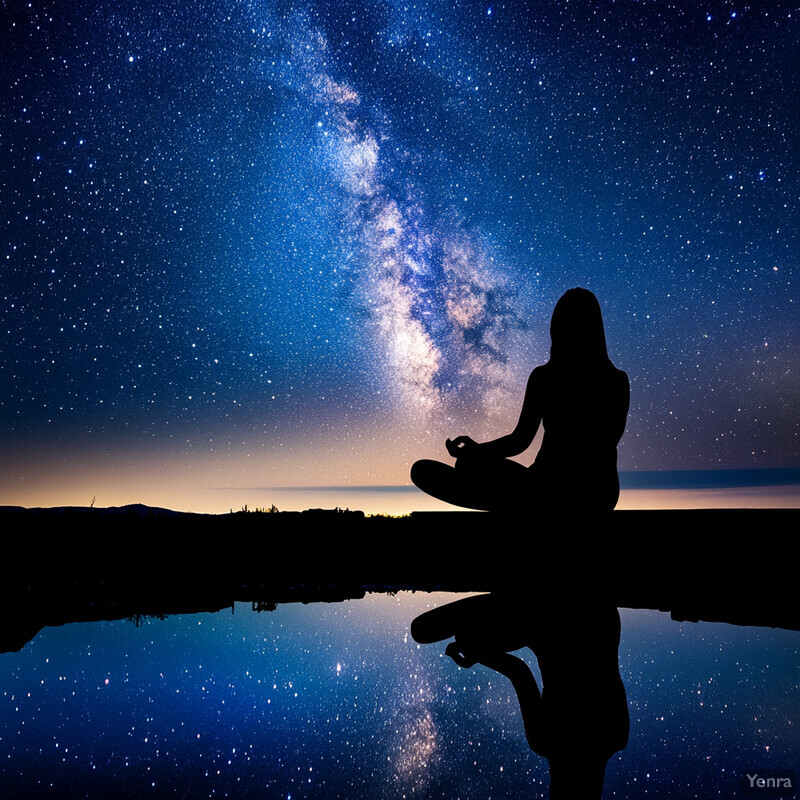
(583, 414)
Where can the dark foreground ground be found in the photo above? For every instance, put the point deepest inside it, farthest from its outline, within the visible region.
(78, 564)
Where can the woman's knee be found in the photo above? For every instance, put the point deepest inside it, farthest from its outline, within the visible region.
(420, 472)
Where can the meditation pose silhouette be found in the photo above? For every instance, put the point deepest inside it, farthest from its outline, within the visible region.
(580, 717)
(580, 398)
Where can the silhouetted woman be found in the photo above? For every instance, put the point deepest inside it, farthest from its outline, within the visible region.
(580, 398)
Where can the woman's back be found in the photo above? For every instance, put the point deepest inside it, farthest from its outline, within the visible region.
(583, 410)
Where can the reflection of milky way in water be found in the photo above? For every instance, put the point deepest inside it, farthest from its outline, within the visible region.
(338, 701)
(414, 751)
(438, 301)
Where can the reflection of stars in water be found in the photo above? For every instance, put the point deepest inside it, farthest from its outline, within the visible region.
(338, 702)
(413, 752)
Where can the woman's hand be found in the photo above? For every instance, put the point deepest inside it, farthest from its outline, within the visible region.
(463, 659)
(460, 445)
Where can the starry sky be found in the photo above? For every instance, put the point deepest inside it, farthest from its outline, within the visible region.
(337, 701)
(298, 244)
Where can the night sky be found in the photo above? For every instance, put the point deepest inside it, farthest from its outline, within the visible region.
(337, 701)
(277, 244)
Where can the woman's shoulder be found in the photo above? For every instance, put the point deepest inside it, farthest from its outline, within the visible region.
(540, 374)
(616, 380)
(621, 376)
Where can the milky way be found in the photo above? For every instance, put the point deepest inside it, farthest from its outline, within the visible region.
(265, 244)
(429, 287)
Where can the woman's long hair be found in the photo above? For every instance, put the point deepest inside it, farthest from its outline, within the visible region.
(576, 330)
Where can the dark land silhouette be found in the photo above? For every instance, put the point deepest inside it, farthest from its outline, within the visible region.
(74, 564)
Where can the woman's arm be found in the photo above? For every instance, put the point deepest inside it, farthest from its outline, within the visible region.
(521, 677)
(515, 442)
(528, 695)
(623, 402)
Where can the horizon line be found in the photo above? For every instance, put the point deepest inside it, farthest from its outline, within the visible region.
(629, 479)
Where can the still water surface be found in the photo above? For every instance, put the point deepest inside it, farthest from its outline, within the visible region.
(337, 701)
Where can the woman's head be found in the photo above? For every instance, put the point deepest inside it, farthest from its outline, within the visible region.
(576, 329)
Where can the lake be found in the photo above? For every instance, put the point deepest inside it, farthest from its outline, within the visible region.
(337, 701)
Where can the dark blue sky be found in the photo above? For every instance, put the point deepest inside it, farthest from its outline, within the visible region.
(301, 243)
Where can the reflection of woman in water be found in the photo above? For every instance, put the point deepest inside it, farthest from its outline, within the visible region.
(579, 397)
(580, 717)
